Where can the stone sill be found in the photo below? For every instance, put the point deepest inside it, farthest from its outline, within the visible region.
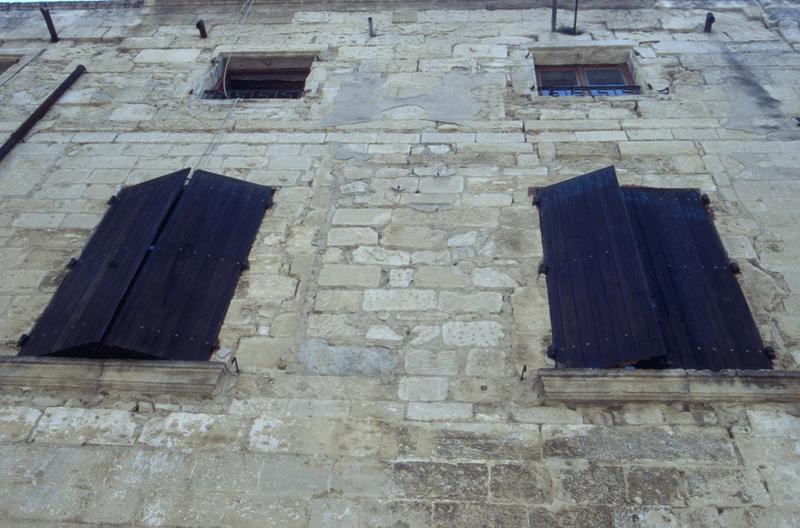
(606, 385)
(191, 378)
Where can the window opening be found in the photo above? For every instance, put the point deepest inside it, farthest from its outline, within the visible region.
(261, 78)
(585, 79)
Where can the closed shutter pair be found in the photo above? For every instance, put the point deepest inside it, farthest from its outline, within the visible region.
(157, 276)
(639, 276)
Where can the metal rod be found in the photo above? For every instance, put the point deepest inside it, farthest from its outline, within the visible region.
(371, 27)
(575, 20)
(709, 22)
(29, 123)
(49, 21)
(202, 27)
(554, 16)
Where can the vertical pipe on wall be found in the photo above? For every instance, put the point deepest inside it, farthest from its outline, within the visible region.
(49, 21)
(554, 16)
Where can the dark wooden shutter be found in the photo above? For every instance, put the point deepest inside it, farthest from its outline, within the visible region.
(704, 316)
(158, 275)
(640, 275)
(186, 285)
(600, 307)
(82, 308)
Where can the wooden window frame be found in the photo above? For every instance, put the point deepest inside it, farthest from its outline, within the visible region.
(584, 87)
(282, 77)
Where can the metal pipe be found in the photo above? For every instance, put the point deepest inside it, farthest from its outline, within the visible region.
(554, 16)
(371, 27)
(202, 27)
(575, 20)
(19, 134)
(709, 22)
(49, 21)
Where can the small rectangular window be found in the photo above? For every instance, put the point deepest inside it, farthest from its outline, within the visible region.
(585, 79)
(261, 78)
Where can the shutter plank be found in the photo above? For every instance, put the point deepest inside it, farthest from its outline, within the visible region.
(179, 303)
(705, 317)
(80, 311)
(586, 216)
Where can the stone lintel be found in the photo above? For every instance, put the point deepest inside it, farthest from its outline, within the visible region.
(150, 377)
(606, 385)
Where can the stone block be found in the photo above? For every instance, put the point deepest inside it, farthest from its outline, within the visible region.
(478, 515)
(481, 302)
(262, 352)
(439, 411)
(184, 430)
(352, 236)
(422, 389)
(381, 256)
(349, 275)
(433, 362)
(401, 278)
(470, 441)
(430, 480)
(492, 278)
(399, 236)
(592, 442)
(168, 56)
(16, 423)
(472, 333)
(523, 483)
(383, 333)
(66, 425)
(338, 301)
(320, 358)
(441, 184)
(440, 277)
(399, 300)
(591, 484)
(657, 486)
(362, 217)
(480, 50)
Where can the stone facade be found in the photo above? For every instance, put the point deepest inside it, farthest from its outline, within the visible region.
(393, 299)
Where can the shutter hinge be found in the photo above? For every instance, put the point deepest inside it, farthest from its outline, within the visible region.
(734, 267)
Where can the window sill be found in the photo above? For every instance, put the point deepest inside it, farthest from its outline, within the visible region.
(202, 379)
(606, 385)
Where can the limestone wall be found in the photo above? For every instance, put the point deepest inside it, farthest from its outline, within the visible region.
(392, 298)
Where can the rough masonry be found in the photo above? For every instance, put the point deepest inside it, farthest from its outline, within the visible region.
(393, 296)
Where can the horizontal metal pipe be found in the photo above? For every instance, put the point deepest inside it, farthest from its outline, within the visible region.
(39, 113)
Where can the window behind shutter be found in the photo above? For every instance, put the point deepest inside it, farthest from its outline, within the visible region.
(641, 275)
(156, 278)
(600, 308)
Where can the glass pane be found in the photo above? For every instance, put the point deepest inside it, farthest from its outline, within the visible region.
(558, 78)
(604, 77)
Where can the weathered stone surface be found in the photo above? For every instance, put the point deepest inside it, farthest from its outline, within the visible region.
(520, 483)
(470, 441)
(478, 333)
(349, 275)
(637, 443)
(320, 358)
(471, 515)
(406, 166)
(441, 481)
(399, 300)
(352, 236)
(16, 423)
(63, 425)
